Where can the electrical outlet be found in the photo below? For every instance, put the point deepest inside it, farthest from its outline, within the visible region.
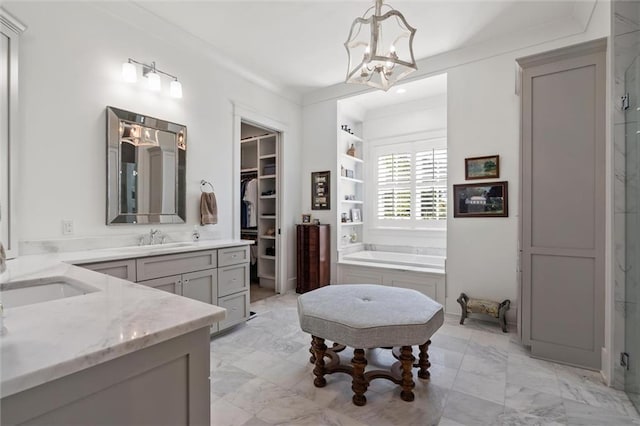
(67, 227)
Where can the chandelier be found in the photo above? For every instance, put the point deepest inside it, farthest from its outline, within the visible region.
(380, 48)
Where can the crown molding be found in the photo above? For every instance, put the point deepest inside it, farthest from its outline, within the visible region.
(11, 21)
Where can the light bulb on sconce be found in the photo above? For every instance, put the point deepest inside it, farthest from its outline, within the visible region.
(129, 73)
(175, 89)
(153, 80)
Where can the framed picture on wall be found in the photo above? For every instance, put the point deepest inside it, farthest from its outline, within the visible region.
(320, 190)
(481, 200)
(356, 215)
(482, 167)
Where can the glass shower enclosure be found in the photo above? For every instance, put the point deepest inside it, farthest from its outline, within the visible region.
(632, 240)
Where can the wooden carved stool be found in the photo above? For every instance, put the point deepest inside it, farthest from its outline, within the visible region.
(351, 315)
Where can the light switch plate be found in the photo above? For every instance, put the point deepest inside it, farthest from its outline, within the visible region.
(67, 227)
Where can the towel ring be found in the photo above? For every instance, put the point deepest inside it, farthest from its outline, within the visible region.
(203, 183)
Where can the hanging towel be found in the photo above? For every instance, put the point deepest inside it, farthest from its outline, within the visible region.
(208, 209)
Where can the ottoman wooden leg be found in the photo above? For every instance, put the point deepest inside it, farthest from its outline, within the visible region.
(319, 349)
(312, 358)
(407, 359)
(423, 362)
(359, 384)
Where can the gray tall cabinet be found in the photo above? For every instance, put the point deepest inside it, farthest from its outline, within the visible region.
(563, 204)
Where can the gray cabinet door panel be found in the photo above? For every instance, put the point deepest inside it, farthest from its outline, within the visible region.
(201, 285)
(171, 284)
(563, 199)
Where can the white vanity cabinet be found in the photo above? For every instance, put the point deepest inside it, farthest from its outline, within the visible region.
(218, 277)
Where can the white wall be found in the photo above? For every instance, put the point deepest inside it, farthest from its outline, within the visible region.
(410, 118)
(483, 119)
(70, 64)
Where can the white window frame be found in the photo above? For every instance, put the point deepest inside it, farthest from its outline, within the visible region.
(416, 142)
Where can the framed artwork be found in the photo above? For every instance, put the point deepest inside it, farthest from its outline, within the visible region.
(320, 190)
(306, 218)
(482, 167)
(481, 200)
(356, 216)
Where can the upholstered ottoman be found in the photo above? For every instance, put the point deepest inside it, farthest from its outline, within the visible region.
(366, 316)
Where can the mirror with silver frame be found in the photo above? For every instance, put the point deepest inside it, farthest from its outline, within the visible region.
(146, 169)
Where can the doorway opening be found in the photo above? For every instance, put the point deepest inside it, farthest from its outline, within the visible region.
(260, 206)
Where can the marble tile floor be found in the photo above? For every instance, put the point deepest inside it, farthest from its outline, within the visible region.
(257, 293)
(260, 375)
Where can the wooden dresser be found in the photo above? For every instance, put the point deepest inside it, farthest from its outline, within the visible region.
(314, 259)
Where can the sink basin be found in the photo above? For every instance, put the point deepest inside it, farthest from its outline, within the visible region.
(28, 292)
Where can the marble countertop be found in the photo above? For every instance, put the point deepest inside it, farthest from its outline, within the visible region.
(46, 341)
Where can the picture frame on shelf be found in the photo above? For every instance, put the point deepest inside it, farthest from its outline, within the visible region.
(306, 218)
(488, 199)
(344, 217)
(320, 190)
(316, 221)
(487, 167)
(356, 215)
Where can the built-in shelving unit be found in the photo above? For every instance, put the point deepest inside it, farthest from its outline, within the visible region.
(350, 197)
(259, 155)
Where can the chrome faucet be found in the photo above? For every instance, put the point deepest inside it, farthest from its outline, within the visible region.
(152, 235)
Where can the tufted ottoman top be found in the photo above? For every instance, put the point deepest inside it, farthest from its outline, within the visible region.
(369, 316)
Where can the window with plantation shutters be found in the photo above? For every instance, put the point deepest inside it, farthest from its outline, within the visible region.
(394, 186)
(411, 184)
(431, 184)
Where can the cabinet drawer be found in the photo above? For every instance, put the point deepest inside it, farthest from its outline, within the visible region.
(233, 255)
(232, 279)
(173, 264)
(125, 269)
(171, 284)
(237, 306)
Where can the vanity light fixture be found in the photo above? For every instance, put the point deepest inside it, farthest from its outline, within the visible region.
(130, 74)
(380, 48)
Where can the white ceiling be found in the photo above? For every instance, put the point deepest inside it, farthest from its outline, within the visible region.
(299, 43)
(415, 90)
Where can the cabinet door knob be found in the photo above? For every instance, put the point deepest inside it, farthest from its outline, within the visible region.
(186, 281)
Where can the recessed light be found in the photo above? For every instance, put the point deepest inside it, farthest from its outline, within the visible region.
(401, 90)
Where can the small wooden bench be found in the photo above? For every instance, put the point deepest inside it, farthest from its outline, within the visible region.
(486, 307)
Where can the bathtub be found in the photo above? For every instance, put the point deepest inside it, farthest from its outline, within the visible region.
(399, 259)
(420, 272)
